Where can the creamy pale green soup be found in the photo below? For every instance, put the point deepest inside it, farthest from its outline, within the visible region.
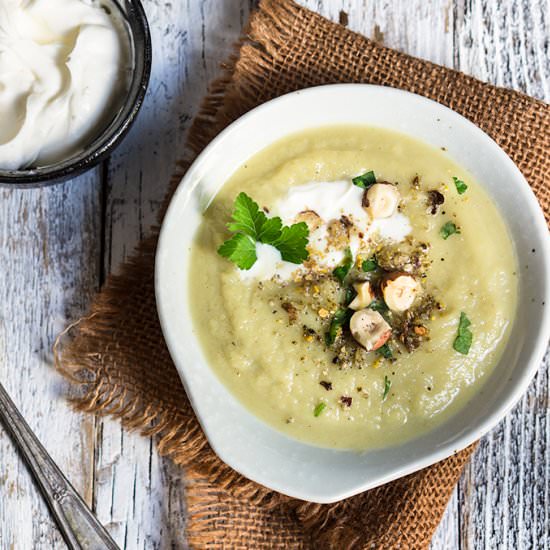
(266, 338)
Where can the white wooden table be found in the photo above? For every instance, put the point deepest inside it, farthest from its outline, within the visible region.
(58, 244)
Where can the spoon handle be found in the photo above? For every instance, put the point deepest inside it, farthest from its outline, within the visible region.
(79, 527)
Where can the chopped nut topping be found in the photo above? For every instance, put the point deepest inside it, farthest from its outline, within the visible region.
(382, 199)
(323, 313)
(434, 200)
(311, 219)
(409, 256)
(346, 221)
(369, 328)
(400, 291)
(364, 297)
(338, 234)
(291, 310)
(308, 333)
(346, 401)
(405, 325)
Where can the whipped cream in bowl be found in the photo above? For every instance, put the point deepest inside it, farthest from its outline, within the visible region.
(73, 75)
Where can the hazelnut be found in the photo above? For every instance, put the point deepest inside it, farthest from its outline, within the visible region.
(381, 200)
(364, 297)
(369, 328)
(399, 291)
(311, 219)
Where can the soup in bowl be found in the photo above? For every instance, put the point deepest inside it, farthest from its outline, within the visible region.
(346, 283)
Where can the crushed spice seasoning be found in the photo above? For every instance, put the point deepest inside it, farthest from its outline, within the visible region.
(434, 200)
(291, 310)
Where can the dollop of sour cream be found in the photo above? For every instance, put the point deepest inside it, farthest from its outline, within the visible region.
(63, 65)
(330, 201)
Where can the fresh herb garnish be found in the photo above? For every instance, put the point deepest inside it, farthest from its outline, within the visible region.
(340, 318)
(460, 185)
(342, 270)
(240, 249)
(251, 225)
(463, 341)
(369, 265)
(365, 180)
(387, 387)
(349, 294)
(385, 351)
(319, 408)
(378, 305)
(292, 243)
(449, 229)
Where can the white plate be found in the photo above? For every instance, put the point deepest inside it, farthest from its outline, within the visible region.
(252, 447)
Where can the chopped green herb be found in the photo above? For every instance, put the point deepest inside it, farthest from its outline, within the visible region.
(460, 186)
(378, 305)
(464, 337)
(387, 387)
(385, 351)
(251, 225)
(349, 295)
(342, 270)
(449, 229)
(365, 180)
(340, 318)
(369, 265)
(319, 408)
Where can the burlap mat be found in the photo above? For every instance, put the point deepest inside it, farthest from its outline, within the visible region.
(118, 356)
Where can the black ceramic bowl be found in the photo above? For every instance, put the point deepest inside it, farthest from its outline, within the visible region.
(105, 141)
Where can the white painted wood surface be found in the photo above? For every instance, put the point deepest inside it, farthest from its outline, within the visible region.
(57, 245)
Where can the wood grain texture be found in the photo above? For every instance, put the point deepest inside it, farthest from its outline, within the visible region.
(57, 245)
(48, 271)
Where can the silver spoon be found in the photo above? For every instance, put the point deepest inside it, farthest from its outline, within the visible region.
(79, 527)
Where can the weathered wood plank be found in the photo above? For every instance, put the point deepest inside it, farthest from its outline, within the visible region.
(191, 39)
(49, 250)
(504, 495)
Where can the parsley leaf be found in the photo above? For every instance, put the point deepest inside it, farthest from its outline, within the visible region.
(460, 185)
(464, 338)
(251, 225)
(320, 407)
(240, 249)
(387, 387)
(365, 180)
(449, 229)
(292, 243)
(247, 217)
(340, 318)
(385, 351)
(342, 270)
(270, 230)
(369, 265)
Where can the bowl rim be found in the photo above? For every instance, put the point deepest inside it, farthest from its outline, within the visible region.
(110, 136)
(471, 433)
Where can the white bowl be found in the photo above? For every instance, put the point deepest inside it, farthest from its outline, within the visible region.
(249, 445)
